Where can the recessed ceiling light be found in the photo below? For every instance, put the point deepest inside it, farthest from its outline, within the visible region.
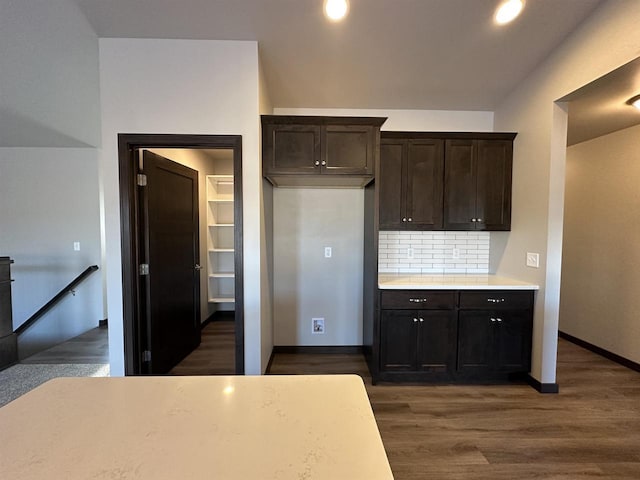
(634, 101)
(508, 10)
(336, 10)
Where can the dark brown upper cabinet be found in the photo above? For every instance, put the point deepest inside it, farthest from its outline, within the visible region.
(477, 183)
(319, 151)
(411, 184)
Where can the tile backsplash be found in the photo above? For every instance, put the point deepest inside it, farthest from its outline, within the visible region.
(433, 252)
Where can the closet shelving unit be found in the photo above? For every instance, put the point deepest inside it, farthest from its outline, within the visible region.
(220, 267)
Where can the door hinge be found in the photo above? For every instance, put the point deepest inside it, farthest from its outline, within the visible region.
(143, 269)
(142, 180)
(146, 356)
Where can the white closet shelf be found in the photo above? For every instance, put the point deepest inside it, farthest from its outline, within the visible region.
(221, 275)
(225, 250)
(222, 300)
(221, 200)
(221, 224)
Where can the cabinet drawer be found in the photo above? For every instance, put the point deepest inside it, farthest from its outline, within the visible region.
(496, 299)
(417, 299)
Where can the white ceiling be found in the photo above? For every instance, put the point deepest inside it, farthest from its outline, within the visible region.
(408, 54)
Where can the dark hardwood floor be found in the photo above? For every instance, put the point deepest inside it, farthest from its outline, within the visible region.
(91, 347)
(590, 430)
(216, 353)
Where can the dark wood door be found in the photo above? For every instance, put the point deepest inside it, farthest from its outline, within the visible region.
(172, 286)
(348, 150)
(424, 193)
(460, 185)
(494, 165)
(513, 341)
(476, 351)
(398, 340)
(291, 149)
(392, 184)
(437, 338)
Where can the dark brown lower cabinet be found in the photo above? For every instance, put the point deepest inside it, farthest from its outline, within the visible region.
(492, 342)
(484, 336)
(418, 341)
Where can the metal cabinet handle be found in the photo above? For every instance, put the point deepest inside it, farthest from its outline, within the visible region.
(493, 319)
(404, 219)
(499, 320)
(323, 163)
(422, 319)
(418, 300)
(495, 300)
(410, 219)
(317, 162)
(415, 320)
(198, 266)
(474, 220)
(478, 220)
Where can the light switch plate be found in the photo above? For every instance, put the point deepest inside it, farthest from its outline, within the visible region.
(533, 260)
(76, 246)
(317, 325)
(327, 252)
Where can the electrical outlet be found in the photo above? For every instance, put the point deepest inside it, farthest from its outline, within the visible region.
(455, 253)
(409, 252)
(327, 252)
(317, 325)
(76, 246)
(533, 260)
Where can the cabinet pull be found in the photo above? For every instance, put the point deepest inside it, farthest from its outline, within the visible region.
(410, 219)
(422, 319)
(317, 162)
(474, 220)
(418, 300)
(323, 163)
(493, 319)
(499, 320)
(404, 219)
(478, 220)
(495, 300)
(415, 320)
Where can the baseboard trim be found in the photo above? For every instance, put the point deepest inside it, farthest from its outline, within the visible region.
(220, 315)
(625, 362)
(267, 370)
(103, 323)
(319, 349)
(543, 387)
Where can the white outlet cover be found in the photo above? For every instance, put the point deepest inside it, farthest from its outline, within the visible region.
(317, 326)
(533, 260)
(76, 246)
(327, 252)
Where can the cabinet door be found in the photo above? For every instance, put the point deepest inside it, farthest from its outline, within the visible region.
(437, 336)
(460, 185)
(425, 172)
(513, 341)
(398, 342)
(392, 184)
(291, 149)
(476, 351)
(348, 150)
(494, 165)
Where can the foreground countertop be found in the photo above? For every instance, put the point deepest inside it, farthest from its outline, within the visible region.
(406, 281)
(261, 427)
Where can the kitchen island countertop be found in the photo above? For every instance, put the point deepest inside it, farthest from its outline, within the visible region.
(411, 281)
(240, 427)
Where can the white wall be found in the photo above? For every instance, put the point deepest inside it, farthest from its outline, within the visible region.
(182, 87)
(49, 63)
(599, 300)
(607, 39)
(308, 285)
(48, 201)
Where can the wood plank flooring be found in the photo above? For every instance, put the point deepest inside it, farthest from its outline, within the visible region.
(590, 430)
(216, 353)
(91, 347)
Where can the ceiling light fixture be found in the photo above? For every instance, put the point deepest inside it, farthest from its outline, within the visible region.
(336, 10)
(634, 101)
(508, 11)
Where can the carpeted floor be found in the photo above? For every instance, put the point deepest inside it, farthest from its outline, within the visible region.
(19, 379)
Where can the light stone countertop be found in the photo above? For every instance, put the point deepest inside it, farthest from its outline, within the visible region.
(236, 427)
(409, 281)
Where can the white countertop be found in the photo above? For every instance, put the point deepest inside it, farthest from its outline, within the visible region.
(260, 427)
(402, 281)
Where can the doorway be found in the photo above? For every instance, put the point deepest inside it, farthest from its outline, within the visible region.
(136, 301)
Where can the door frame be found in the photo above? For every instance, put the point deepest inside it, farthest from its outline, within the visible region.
(130, 234)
